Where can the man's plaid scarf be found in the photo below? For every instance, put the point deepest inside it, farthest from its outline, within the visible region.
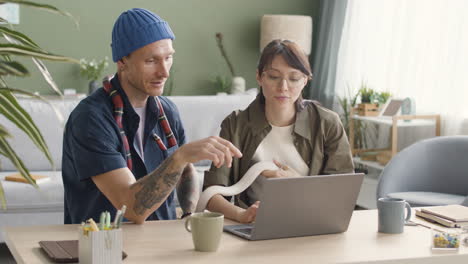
(118, 112)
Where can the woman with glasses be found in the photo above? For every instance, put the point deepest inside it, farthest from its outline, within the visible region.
(299, 136)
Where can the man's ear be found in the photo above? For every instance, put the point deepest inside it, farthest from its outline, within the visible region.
(121, 65)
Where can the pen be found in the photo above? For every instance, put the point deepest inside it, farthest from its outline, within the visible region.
(108, 220)
(102, 221)
(122, 215)
(117, 217)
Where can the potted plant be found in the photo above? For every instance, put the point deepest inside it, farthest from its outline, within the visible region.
(367, 107)
(14, 44)
(222, 83)
(348, 103)
(237, 83)
(383, 97)
(92, 71)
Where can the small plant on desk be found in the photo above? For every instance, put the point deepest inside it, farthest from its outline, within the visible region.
(367, 107)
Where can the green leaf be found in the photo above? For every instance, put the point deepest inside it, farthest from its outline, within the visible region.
(2, 82)
(23, 92)
(2, 197)
(25, 40)
(45, 7)
(39, 64)
(14, 49)
(13, 68)
(47, 76)
(10, 108)
(4, 132)
(19, 91)
(17, 162)
(5, 57)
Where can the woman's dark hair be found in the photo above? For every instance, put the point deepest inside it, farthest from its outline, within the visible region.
(292, 54)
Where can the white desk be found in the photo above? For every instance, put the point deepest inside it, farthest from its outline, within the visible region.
(168, 242)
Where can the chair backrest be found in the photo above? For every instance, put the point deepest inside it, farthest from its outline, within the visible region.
(433, 165)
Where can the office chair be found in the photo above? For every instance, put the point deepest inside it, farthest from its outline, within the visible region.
(428, 173)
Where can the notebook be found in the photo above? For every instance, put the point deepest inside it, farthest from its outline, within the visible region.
(439, 220)
(455, 213)
(303, 206)
(19, 178)
(64, 251)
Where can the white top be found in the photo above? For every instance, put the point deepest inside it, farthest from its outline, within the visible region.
(138, 140)
(277, 145)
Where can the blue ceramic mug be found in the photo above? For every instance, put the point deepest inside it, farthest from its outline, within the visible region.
(392, 215)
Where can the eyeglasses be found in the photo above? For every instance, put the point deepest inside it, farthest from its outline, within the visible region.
(294, 80)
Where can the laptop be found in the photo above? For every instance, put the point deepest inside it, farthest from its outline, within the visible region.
(303, 206)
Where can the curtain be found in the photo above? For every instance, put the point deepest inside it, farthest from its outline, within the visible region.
(330, 27)
(416, 49)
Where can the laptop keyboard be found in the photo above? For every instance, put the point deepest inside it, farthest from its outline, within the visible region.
(246, 231)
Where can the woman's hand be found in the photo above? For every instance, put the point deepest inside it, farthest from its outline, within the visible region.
(248, 215)
(284, 171)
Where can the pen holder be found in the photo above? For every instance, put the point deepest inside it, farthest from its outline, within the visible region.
(100, 247)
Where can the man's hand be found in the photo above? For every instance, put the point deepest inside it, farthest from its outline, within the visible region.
(248, 215)
(283, 172)
(216, 149)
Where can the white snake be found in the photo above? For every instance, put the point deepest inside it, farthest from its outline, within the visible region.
(248, 178)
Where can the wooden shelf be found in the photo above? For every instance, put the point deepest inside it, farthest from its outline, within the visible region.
(394, 122)
(400, 122)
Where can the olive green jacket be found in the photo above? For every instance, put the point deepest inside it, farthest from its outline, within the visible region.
(318, 135)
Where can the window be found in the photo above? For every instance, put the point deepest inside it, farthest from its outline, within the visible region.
(416, 48)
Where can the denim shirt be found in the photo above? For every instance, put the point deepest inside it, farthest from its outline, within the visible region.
(92, 146)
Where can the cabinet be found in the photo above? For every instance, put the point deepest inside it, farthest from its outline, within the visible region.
(367, 196)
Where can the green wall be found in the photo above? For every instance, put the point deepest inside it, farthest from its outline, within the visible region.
(194, 22)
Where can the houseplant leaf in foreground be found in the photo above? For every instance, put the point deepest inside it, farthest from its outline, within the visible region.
(18, 44)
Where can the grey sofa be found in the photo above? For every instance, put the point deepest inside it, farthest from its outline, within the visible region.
(201, 116)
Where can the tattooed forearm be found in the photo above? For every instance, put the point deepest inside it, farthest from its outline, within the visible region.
(188, 190)
(156, 186)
